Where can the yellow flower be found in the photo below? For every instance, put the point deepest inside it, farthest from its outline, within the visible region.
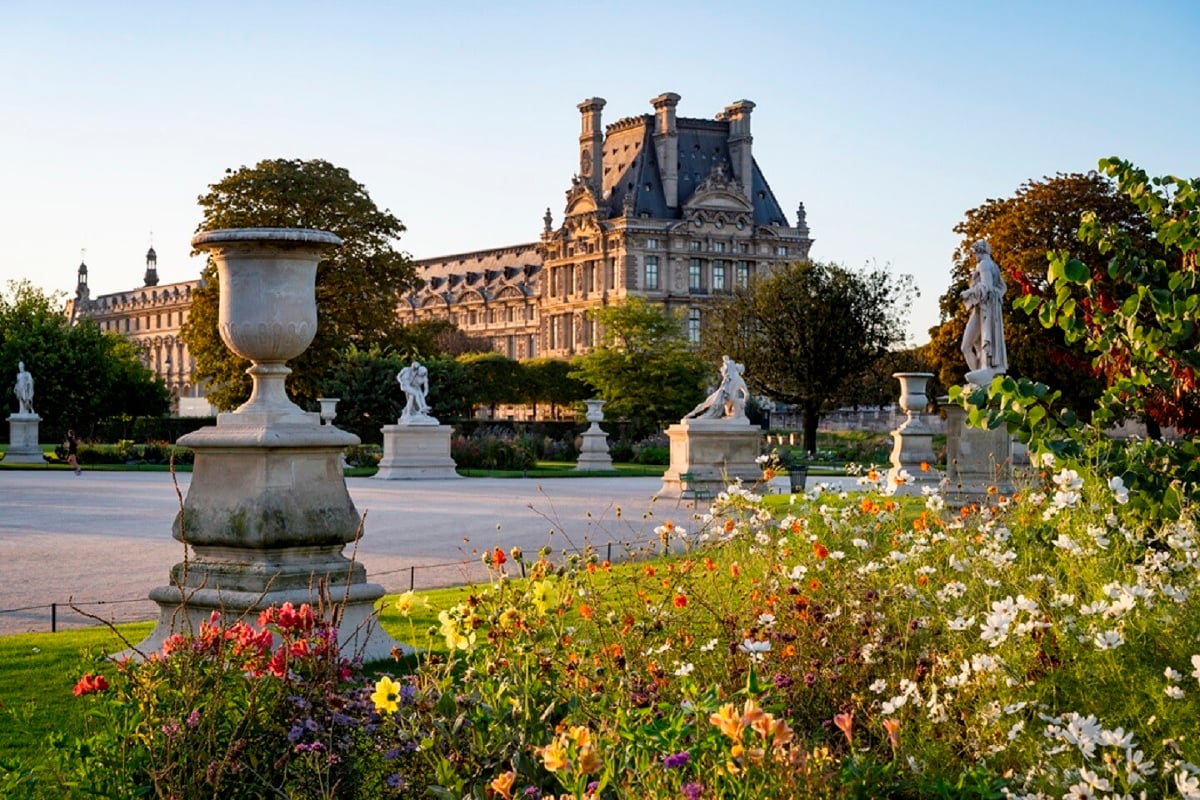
(728, 722)
(407, 601)
(510, 619)
(543, 595)
(456, 639)
(386, 695)
(502, 784)
(554, 756)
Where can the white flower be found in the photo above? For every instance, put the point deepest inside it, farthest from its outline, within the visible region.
(879, 686)
(1068, 480)
(710, 645)
(1188, 785)
(754, 649)
(1172, 675)
(1173, 692)
(1108, 640)
(935, 503)
(1120, 493)
(684, 669)
(766, 620)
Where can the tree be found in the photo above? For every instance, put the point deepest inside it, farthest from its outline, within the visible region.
(807, 329)
(643, 368)
(548, 380)
(81, 374)
(495, 376)
(1041, 216)
(359, 285)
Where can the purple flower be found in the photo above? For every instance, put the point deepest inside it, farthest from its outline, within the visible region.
(782, 681)
(676, 760)
(693, 790)
(193, 719)
(809, 679)
(396, 780)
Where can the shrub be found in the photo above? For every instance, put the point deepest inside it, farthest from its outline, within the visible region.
(493, 448)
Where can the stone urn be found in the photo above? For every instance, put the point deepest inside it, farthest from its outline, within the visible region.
(912, 442)
(595, 412)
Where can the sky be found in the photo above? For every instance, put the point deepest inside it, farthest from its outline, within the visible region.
(887, 120)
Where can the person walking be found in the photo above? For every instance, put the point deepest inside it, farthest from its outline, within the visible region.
(73, 451)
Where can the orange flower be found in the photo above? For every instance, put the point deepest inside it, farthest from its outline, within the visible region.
(679, 600)
(90, 684)
(735, 570)
(502, 784)
(924, 466)
(649, 571)
(796, 527)
(922, 580)
(814, 585)
(729, 525)
(821, 551)
(872, 475)
(920, 523)
(889, 505)
(709, 564)
(585, 611)
(498, 556)
(892, 726)
(868, 506)
(728, 721)
(845, 724)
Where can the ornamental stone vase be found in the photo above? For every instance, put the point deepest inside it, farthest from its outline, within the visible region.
(912, 442)
(593, 451)
(267, 514)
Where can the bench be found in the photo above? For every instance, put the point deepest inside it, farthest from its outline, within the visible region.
(690, 490)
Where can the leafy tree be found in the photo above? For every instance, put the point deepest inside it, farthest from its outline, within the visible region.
(359, 285)
(365, 383)
(643, 368)
(495, 376)
(875, 386)
(1135, 310)
(1041, 216)
(452, 392)
(548, 380)
(81, 374)
(808, 328)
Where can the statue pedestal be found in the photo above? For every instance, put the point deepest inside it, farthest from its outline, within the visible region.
(416, 453)
(714, 452)
(593, 455)
(266, 517)
(23, 445)
(978, 461)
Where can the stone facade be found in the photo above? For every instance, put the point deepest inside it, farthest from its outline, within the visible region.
(152, 317)
(669, 208)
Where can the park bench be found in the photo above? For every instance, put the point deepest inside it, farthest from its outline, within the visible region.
(690, 490)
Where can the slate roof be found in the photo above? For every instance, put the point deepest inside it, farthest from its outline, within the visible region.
(631, 166)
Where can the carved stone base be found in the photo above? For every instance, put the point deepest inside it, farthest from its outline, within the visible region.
(416, 453)
(714, 453)
(23, 440)
(978, 461)
(593, 455)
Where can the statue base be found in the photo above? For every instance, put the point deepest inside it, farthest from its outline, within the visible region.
(23, 447)
(714, 452)
(912, 445)
(978, 461)
(266, 518)
(593, 454)
(416, 453)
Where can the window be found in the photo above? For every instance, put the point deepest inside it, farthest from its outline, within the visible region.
(652, 244)
(743, 247)
(693, 325)
(743, 274)
(612, 273)
(695, 275)
(512, 347)
(718, 276)
(652, 272)
(694, 246)
(529, 349)
(781, 250)
(471, 318)
(718, 247)
(511, 314)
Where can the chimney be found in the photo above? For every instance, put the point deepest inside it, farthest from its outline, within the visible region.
(738, 116)
(591, 143)
(666, 145)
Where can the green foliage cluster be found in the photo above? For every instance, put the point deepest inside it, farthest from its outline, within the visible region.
(1136, 313)
(495, 447)
(359, 286)
(807, 331)
(643, 367)
(81, 374)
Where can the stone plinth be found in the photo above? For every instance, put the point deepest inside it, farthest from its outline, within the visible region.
(23, 440)
(266, 518)
(978, 461)
(416, 453)
(912, 442)
(715, 452)
(593, 454)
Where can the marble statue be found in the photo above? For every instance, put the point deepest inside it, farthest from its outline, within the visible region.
(24, 389)
(983, 340)
(728, 400)
(414, 380)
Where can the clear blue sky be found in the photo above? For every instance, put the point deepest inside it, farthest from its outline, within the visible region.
(887, 120)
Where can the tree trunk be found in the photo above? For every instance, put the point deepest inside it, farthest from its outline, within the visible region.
(811, 418)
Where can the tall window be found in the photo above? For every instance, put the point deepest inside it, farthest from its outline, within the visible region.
(718, 276)
(693, 325)
(718, 247)
(694, 246)
(743, 274)
(612, 273)
(781, 250)
(652, 244)
(529, 348)
(652, 272)
(695, 275)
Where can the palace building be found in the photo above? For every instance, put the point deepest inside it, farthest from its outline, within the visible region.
(669, 208)
(672, 209)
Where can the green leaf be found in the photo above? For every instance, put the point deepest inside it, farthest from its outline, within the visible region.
(1076, 271)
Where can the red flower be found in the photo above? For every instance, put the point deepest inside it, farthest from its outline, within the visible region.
(820, 550)
(498, 557)
(90, 684)
(679, 600)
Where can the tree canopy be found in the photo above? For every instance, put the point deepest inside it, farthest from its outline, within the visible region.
(808, 328)
(642, 367)
(1041, 216)
(359, 285)
(81, 374)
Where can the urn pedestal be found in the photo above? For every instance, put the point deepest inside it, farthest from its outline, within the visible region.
(593, 454)
(714, 452)
(267, 514)
(912, 442)
(23, 446)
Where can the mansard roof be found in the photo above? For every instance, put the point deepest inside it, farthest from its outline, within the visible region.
(631, 168)
(482, 274)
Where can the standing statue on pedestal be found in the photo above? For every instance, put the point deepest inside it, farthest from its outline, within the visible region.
(414, 380)
(983, 340)
(24, 390)
(728, 400)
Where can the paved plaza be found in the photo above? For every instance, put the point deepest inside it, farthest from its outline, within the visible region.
(106, 536)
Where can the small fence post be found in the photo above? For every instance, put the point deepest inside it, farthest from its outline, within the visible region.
(608, 557)
(412, 577)
(54, 617)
